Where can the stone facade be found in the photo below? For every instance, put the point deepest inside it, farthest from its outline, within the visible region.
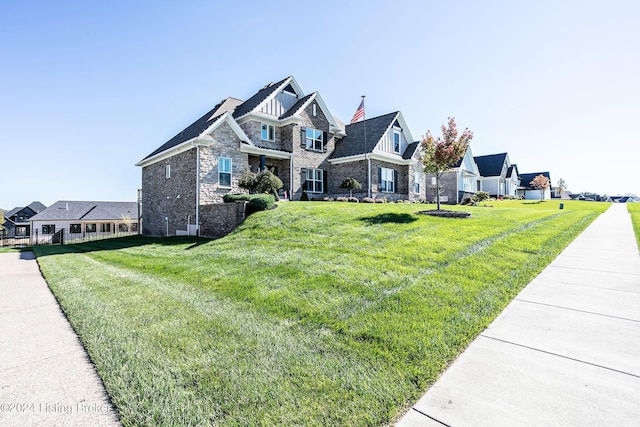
(173, 198)
(448, 187)
(225, 144)
(219, 219)
(356, 170)
(304, 158)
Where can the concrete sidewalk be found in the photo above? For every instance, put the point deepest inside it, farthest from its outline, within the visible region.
(566, 351)
(46, 378)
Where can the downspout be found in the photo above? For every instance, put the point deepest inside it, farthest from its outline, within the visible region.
(458, 186)
(369, 175)
(197, 190)
(290, 195)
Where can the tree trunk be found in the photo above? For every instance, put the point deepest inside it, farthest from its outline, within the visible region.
(438, 190)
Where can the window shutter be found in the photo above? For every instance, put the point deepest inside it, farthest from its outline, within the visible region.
(379, 179)
(303, 179)
(325, 140)
(325, 181)
(303, 137)
(395, 181)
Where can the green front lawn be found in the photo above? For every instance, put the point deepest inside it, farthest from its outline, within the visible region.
(313, 313)
(634, 211)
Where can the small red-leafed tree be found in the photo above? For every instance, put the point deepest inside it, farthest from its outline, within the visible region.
(440, 154)
(540, 182)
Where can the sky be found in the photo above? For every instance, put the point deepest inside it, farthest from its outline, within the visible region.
(88, 89)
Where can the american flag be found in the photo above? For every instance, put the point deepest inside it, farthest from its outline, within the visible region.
(359, 113)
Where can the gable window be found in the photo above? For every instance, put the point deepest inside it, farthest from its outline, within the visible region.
(267, 132)
(387, 184)
(314, 181)
(48, 228)
(224, 171)
(396, 142)
(314, 139)
(90, 228)
(167, 171)
(315, 110)
(75, 228)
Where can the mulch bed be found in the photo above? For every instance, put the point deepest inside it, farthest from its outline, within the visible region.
(445, 213)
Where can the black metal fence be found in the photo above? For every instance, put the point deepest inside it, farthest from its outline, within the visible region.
(66, 236)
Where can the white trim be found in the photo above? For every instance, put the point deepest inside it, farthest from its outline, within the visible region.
(274, 154)
(230, 172)
(269, 127)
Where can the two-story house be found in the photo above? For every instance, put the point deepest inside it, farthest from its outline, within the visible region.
(16, 222)
(282, 129)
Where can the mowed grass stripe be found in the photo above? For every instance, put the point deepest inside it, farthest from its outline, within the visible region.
(279, 325)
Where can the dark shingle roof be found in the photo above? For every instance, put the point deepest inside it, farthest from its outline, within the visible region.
(37, 206)
(34, 207)
(411, 148)
(295, 107)
(80, 210)
(353, 143)
(490, 165)
(526, 178)
(251, 103)
(200, 125)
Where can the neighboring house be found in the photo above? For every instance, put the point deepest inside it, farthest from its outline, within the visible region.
(529, 192)
(498, 176)
(282, 129)
(78, 219)
(16, 222)
(461, 181)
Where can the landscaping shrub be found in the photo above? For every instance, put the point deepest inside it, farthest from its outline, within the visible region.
(343, 199)
(304, 197)
(480, 196)
(328, 199)
(368, 200)
(383, 200)
(353, 200)
(466, 201)
(257, 202)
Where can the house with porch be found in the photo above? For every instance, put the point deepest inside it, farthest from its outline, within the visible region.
(284, 130)
(78, 220)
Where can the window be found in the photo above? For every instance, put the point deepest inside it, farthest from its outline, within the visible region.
(396, 142)
(224, 171)
(75, 228)
(315, 181)
(386, 180)
(105, 227)
(267, 132)
(48, 229)
(167, 171)
(417, 177)
(90, 228)
(314, 139)
(123, 228)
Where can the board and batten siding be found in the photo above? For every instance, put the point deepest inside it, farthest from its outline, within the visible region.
(386, 142)
(279, 104)
(491, 185)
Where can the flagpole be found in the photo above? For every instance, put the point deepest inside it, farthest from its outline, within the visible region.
(366, 159)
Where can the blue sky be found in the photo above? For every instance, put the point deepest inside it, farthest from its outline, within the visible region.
(87, 89)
